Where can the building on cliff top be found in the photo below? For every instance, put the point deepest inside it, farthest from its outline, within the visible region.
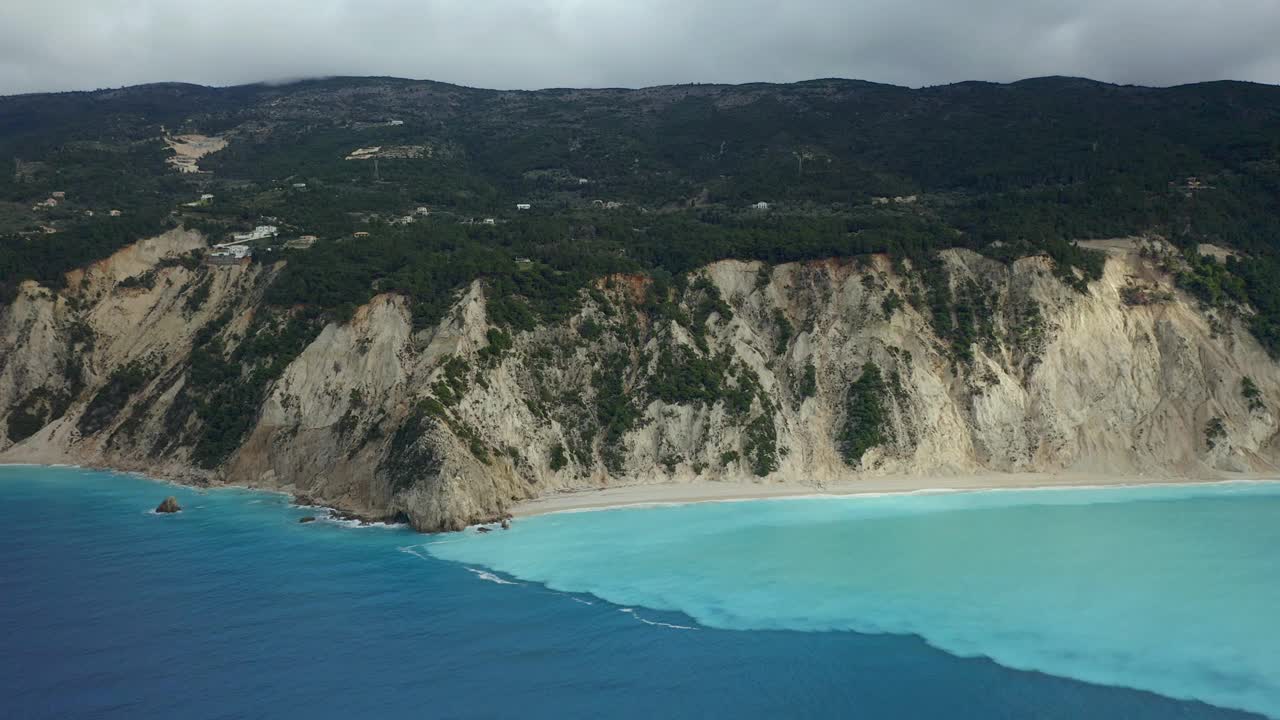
(230, 255)
(262, 232)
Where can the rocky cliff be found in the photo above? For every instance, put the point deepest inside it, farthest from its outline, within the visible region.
(741, 372)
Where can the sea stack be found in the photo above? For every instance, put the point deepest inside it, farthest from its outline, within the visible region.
(307, 519)
(170, 505)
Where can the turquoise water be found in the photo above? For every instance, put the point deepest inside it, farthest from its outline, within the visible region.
(1175, 590)
(882, 607)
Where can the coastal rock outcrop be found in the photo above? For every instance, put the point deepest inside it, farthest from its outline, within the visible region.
(809, 373)
(169, 505)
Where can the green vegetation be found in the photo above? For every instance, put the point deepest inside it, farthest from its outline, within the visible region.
(760, 445)
(683, 376)
(410, 455)
(46, 259)
(113, 396)
(1209, 280)
(199, 295)
(614, 408)
(36, 410)
(1251, 394)
(1009, 171)
(1261, 275)
(23, 423)
(145, 280)
(892, 301)
(1136, 295)
(785, 332)
(499, 343)
(808, 382)
(709, 302)
(589, 329)
(866, 420)
(43, 405)
(450, 389)
(559, 460)
(225, 386)
(350, 419)
(1214, 432)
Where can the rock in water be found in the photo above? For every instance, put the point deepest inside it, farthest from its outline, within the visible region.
(170, 505)
(307, 519)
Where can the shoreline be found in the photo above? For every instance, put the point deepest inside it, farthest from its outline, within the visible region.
(652, 495)
(334, 515)
(669, 494)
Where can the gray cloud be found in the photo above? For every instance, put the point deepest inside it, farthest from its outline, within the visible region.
(84, 44)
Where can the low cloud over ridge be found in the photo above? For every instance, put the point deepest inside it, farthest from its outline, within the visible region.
(85, 44)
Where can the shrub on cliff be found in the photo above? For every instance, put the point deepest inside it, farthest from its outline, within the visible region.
(866, 418)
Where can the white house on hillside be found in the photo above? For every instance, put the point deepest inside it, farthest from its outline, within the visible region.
(231, 255)
(262, 232)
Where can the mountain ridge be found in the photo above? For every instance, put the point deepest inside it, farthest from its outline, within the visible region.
(1060, 80)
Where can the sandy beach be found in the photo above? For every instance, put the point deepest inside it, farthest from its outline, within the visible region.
(696, 492)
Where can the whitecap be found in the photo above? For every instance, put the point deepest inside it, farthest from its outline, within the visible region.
(349, 523)
(655, 623)
(490, 577)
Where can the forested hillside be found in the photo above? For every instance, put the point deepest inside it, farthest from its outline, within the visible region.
(473, 297)
(846, 167)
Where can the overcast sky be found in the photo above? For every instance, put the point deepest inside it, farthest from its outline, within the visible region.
(86, 44)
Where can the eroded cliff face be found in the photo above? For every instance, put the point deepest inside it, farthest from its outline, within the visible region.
(806, 373)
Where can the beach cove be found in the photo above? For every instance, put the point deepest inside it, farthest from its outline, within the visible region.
(681, 493)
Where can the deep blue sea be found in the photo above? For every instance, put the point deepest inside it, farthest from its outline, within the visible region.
(1122, 603)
